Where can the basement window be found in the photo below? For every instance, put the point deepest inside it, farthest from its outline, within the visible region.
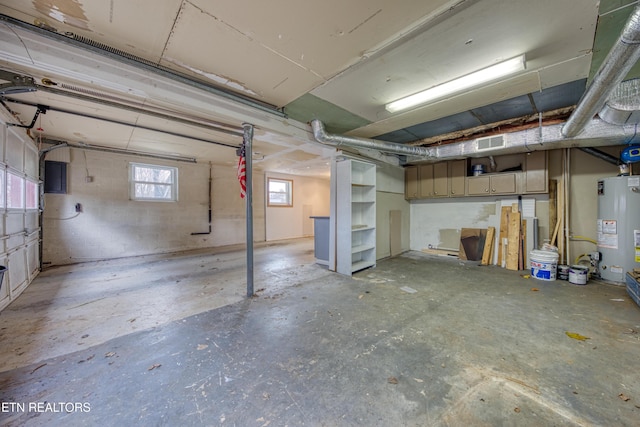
(153, 182)
(280, 192)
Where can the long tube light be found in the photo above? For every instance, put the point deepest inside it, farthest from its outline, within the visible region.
(476, 78)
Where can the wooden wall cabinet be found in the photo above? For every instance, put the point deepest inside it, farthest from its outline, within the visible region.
(535, 173)
(411, 182)
(433, 180)
(487, 185)
(444, 179)
(457, 174)
(449, 179)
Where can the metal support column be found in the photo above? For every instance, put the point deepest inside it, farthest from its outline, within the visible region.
(247, 139)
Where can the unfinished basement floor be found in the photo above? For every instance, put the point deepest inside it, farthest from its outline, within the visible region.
(416, 341)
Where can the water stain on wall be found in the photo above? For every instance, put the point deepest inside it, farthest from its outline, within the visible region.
(486, 212)
(69, 12)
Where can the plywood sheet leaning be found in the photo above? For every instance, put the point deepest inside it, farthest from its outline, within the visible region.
(553, 205)
(487, 254)
(395, 232)
(504, 230)
(472, 243)
(513, 237)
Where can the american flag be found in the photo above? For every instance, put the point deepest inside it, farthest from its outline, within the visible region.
(242, 172)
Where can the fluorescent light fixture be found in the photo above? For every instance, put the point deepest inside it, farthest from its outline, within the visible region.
(476, 78)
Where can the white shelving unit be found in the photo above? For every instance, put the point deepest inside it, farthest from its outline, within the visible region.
(356, 216)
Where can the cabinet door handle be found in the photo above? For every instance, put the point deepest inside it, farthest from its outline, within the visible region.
(435, 192)
(486, 190)
(493, 190)
(453, 192)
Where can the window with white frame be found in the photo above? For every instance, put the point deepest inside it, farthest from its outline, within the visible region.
(280, 192)
(15, 191)
(31, 195)
(153, 182)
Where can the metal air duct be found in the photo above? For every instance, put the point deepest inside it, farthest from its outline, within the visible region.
(387, 147)
(621, 58)
(623, 105)
(599, 133)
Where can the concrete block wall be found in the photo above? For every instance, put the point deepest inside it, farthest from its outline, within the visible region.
(112, 226)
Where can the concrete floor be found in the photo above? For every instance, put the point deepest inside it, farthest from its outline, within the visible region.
(172, 341)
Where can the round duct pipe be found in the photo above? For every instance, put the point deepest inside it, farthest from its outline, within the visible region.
(623, 105)
(621, 58)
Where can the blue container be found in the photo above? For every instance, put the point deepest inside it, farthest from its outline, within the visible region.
(633, 288)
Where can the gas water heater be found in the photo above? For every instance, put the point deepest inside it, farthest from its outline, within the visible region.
(618, 226)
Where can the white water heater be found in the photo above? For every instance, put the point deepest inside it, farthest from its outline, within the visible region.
(618, 226)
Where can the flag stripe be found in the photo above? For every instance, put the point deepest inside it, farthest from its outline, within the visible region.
(242, 176)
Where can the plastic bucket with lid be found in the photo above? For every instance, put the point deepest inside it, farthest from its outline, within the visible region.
(578, 275)
(544, 264)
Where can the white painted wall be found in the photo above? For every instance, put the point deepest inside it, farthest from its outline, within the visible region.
(112, 226)
(310, 197)
(438, 222)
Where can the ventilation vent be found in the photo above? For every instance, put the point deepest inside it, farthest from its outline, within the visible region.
(490, 143)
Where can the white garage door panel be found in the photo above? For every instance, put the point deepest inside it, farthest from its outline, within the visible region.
(19, 228)
(15, 151)
(33, 266)
(17, 272)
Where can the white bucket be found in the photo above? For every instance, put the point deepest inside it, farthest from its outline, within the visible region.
(543, 264)
(578, 275)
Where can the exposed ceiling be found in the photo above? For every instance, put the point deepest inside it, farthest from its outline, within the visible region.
(181, 76)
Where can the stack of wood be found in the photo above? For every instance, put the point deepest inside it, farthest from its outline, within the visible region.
(511, 241)
(476, 244)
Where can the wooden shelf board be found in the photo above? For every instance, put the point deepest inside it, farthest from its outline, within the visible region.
(362, 248)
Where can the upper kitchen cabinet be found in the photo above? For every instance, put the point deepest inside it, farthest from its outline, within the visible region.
(516, 174)
(433, 180)
(535, 172)
(411, 182)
